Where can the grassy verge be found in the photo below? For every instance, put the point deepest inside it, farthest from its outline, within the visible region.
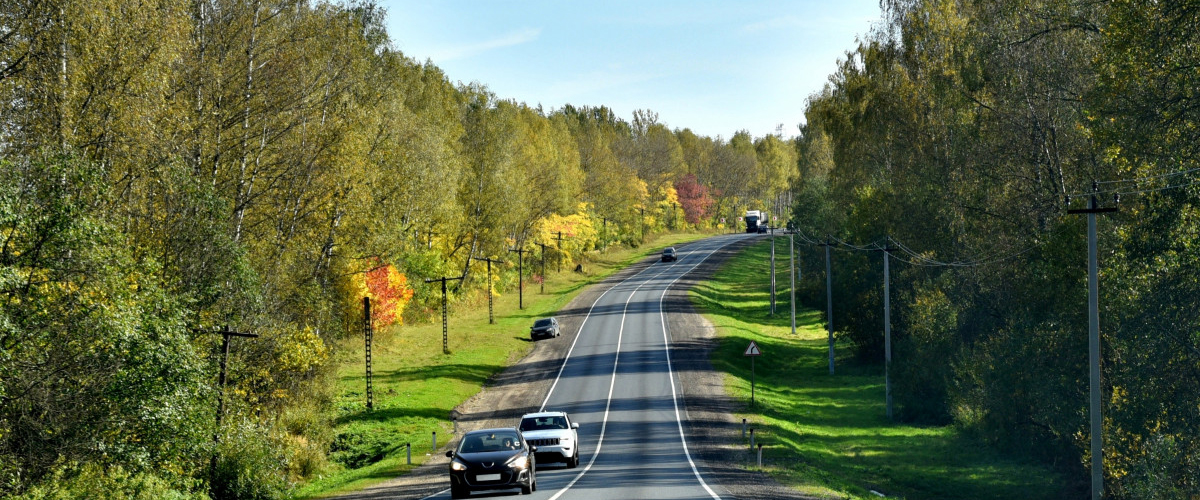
(416, 386)
(828, 436)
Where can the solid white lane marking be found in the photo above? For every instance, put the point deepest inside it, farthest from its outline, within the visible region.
(671, 373)
(436, 494)
(613, 381)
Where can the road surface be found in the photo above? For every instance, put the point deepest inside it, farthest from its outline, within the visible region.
(618, 382)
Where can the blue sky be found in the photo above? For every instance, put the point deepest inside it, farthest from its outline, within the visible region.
(713, 67)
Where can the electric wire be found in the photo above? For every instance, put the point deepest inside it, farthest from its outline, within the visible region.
(1125, 190)
(914, 257)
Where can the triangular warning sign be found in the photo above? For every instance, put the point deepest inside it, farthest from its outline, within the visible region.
(752, 350)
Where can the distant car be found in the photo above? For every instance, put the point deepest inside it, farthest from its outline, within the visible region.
(669, 255)
(545, 327)
(763, 228)
(492, 459)
(554, 435)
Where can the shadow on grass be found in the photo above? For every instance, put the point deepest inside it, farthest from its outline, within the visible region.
(381, 415)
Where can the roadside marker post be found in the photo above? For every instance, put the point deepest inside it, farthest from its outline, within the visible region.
(753, 352)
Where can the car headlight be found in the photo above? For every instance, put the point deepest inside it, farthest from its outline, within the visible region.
(456, 465)
(518, 462)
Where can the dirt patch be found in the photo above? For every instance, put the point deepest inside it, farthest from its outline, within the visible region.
(713, 434)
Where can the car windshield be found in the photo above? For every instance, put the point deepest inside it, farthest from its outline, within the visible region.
(543, 423)
(541, 323)
(669, 251)
(484, 442)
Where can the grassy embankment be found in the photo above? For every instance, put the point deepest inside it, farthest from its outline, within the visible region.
(828, 436)
(416, 386)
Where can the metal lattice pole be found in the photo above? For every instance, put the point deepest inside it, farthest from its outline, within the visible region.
(368, 332)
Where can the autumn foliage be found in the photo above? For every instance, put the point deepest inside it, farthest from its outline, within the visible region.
(693, 198)
(389, 292)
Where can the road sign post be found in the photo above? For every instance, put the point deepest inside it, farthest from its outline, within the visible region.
(753, 352)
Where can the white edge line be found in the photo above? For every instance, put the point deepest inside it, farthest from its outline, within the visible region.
(435, 494)
(671, 373)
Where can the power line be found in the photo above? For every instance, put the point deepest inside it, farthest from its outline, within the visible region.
(1152, 177)
(1125, 190)
(914, 257)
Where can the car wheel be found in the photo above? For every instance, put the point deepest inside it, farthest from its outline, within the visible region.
(573, 462)
(527, 488)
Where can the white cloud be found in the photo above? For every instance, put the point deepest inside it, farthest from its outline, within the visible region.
(451, 53)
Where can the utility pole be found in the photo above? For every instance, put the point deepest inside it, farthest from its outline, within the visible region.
(829, 299)
(543, 245)
(772, 271)
(792, 267)
(887, 326)
(225, 332)
(643, 222)
(368, 334)
(1097, 445)
(674, 224)
(604, 234)
(491, 319)
(445, 330)
(520, 276)
(560, 252)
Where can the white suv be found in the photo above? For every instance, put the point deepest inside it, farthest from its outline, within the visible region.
(555, 436)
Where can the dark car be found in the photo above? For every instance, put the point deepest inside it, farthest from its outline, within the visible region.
(668, 255)
(545, 327)
(492, 459)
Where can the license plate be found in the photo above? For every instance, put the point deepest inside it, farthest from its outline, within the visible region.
(488, 477)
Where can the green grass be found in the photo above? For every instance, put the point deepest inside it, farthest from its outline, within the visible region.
(416, 386)
(828, 436)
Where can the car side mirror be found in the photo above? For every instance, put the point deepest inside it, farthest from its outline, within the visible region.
(450, 454)
(574, 425)
(533, 449)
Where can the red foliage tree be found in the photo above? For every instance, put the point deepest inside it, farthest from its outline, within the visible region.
(693, 198)
(389, 292)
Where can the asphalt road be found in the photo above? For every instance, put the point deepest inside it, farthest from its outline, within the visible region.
(618, 382)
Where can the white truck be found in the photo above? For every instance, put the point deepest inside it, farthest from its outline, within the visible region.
(756, 221)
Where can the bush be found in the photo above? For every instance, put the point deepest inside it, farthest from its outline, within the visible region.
(112, 483)
(251, 465)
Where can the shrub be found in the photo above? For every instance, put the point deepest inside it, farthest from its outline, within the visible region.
(113, 483)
